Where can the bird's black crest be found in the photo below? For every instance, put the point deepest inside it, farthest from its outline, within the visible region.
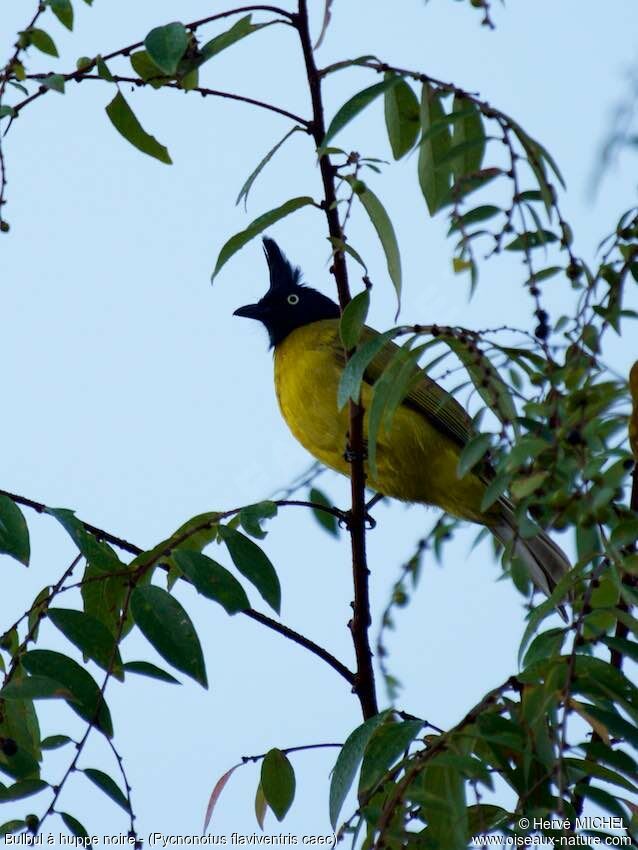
(283, 275)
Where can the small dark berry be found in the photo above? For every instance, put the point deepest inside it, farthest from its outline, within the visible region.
(541, 331)
(9, 747)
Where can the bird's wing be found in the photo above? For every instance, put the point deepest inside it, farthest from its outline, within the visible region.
(424, 395)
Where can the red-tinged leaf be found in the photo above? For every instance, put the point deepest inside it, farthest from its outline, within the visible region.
(217, 790)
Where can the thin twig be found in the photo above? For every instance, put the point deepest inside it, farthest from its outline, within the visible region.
(360, 623)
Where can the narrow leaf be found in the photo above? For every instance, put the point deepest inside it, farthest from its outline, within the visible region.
(385, 231)
(217, 790)
(167, 626)
(255, 228)
(90, 636)
(63, 11)
(353, 107)
(402, 118)
(325, 520)
(472, 453)
(350, 383)
(245, 189)
(86, 698)
(434, 181)
(468, 132)
(108, 785)
(74, 826)
(239, 30)
(353, 319)
(14, 534)
(212, 580)
(253, 563)
(348, 762)
(145, 668)
(123, 119)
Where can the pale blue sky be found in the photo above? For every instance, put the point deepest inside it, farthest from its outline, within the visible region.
(133, 396)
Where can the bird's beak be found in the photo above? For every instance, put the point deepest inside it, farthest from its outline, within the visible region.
(250, 311)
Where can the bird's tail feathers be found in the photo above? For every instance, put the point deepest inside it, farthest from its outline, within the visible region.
(545, 561)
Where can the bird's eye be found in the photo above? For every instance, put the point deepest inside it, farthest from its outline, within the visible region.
(293, 299)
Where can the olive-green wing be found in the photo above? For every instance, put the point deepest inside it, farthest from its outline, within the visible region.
(424, 395)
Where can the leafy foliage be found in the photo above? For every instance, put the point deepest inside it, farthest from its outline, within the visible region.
(558, 738)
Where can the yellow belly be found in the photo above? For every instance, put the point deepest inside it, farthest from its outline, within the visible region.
(415, 461)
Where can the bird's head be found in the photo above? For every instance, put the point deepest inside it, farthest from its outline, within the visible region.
(288, 304)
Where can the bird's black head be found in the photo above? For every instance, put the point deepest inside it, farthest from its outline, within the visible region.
(288, 304)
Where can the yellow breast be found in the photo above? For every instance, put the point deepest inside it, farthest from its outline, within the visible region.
(415, 462)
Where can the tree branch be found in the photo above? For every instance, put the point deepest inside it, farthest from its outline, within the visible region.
(257, 616)
(360, 623)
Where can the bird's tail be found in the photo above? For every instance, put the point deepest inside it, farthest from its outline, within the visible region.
(545, 561)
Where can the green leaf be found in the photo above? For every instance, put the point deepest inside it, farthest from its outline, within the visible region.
(444, 806)
(472, 453)
(353, 107)
(20, 790)
(239, 30)
(55, 82)
(348, 762)
(278, 782)
(167, 626)
(106, 784)
(166, 45)
(544, 645)
(90, 636)
(123, 119)
(11, 826)
(145, 668)
(103, 596)
(468, 138)
(43, 41)
(14, 534)
(7, 111)
(63, 11)
(352, 375)
(402, 117)
(434, 180)
(86, 696)
(531, 239)
(353, 319)
(325, 520)
(253, 563)
(145, 68)
(525, 485)
(489, 385)
(73, 825)
(35, 687)
(54, 742)
(212, 580)
(385, 231)
(245, 189)
(98, 553)
(388, 742)
(251, 516)
(103, 71)
(255, 228)
(474, 216)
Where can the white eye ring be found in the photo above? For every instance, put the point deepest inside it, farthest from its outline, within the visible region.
(292, 298)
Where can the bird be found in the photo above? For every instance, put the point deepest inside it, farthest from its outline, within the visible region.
(417, 460)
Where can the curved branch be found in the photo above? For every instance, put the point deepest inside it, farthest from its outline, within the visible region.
(80, 76)
(257, 616)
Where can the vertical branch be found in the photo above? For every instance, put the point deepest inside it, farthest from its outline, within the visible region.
(359, 625)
